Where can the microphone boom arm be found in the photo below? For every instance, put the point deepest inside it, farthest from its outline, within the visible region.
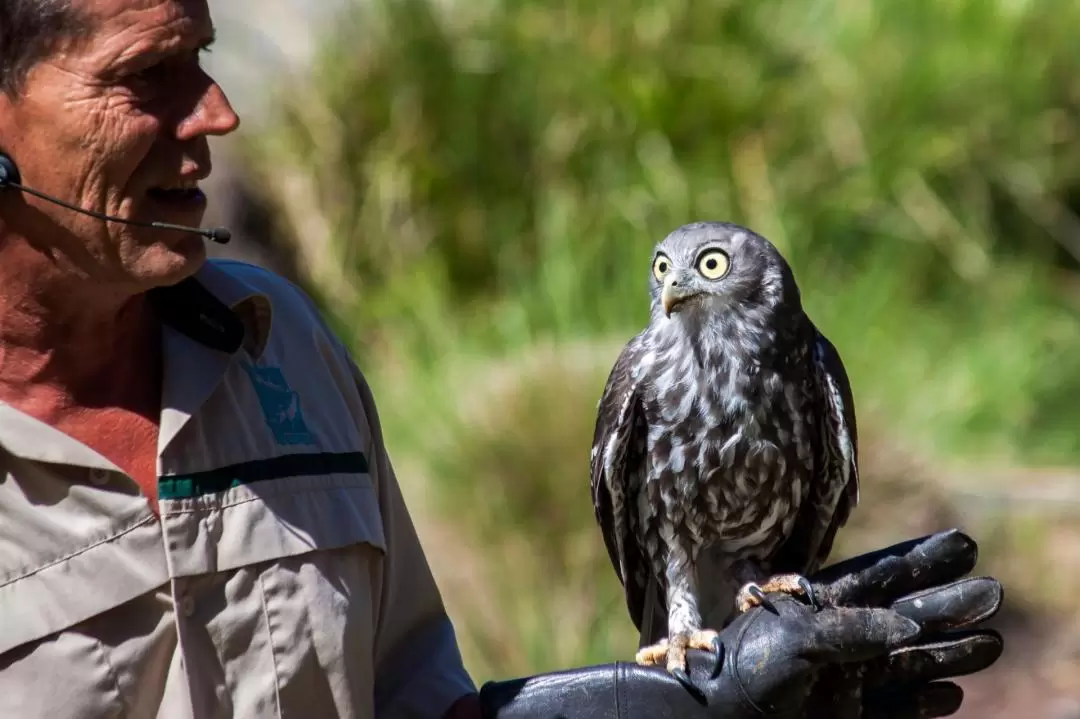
(10, 177)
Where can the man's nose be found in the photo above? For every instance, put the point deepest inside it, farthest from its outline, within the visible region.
(213, 114)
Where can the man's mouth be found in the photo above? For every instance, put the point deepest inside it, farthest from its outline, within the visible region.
(182, 193)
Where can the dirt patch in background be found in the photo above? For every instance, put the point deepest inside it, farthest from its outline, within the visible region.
(1038, 676)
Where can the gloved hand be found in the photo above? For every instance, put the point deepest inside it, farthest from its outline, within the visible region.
(878, 654)
(918, 579)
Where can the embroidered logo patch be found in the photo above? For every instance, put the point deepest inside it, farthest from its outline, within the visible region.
(280, 405)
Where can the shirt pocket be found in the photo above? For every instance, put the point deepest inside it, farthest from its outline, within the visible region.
(66, 674)
(51, 662)
(321, 610)
(285, 581)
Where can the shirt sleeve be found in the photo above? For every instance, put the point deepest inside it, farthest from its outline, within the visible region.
(419, 672)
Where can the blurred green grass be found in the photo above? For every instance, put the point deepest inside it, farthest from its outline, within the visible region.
(475, 189)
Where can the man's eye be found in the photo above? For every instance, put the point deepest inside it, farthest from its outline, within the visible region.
(166, 70)
(145, 74)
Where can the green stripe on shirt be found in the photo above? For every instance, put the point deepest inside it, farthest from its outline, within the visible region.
(186, 486)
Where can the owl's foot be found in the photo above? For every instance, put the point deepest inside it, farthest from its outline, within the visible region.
(671, 652)
(652, 655)
(753, 595)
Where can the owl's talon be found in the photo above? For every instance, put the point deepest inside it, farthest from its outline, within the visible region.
(808, 590)
(684, 679)
(752, 594)
(718, 650)
(759, 599)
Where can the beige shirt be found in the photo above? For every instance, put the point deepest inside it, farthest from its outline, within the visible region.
(283, 578)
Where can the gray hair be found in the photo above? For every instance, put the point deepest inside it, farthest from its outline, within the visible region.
(30, 30)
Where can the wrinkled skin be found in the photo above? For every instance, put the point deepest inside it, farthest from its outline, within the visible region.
(100, 122)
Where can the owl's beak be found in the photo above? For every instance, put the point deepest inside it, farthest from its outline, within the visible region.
(677, 289)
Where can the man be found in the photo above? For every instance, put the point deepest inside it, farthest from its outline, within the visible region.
(197, 514)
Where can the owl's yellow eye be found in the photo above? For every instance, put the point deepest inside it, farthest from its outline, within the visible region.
(660, 266)
(713, 264)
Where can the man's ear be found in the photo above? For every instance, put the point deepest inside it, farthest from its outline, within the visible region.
(7, 107)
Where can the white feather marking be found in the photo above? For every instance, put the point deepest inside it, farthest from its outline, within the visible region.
(844, 438)
(677, 459)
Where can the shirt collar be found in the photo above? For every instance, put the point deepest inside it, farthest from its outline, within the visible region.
(213, 317)
(29, 438)
(216, 309)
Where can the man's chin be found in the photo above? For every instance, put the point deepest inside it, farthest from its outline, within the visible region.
(162, 266)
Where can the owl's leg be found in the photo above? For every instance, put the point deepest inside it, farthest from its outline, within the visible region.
(684, 621)
(754, 590)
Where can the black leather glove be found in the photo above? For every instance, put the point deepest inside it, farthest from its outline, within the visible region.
(878, 654)
(914, 578)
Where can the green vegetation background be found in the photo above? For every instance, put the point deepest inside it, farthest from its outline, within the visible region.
(475, 189)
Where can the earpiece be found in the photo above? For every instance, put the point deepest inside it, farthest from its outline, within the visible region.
(9, 173)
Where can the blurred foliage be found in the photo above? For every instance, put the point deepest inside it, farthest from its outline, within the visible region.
(471, 181)
(507, 461)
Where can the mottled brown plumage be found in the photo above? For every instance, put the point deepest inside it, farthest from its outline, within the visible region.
(725, 449)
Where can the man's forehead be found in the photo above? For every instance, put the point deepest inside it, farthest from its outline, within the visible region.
(188, 17)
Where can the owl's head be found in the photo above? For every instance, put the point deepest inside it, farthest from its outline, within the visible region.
(708, 268)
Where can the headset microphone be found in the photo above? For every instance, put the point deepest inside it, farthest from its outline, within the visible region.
(10, 177)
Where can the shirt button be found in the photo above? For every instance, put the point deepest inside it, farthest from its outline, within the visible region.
(187, 606)
(99, 476)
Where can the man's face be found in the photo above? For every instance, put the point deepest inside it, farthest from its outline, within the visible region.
(118, 122)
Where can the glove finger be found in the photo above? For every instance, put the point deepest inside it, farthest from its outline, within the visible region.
(961, 604)
(877, 578)
(843, 634)
(949, 656)
(938, 545)
(931, 700)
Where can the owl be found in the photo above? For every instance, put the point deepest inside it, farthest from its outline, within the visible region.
(724, 458)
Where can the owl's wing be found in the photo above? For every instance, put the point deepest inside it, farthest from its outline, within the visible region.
(617, 468)
(834, 489)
